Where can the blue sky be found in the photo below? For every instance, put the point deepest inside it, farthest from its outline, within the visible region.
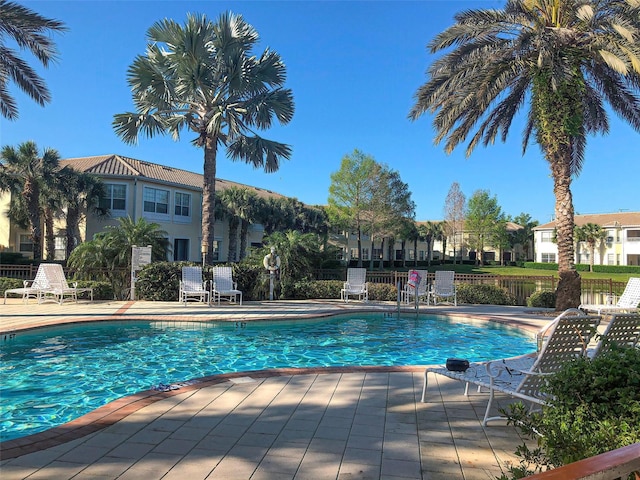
(353, 66)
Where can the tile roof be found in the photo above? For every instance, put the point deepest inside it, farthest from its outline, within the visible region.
(624, 219)
(120, 166)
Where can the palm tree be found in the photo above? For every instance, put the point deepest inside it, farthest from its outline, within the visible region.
(82, 194)
(29, 31)
(25, 173)
(563, 59)
(590, 233)
(232, 199)
(110, 251)
(205, 78)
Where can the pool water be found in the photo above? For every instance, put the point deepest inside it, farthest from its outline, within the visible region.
(55, 375)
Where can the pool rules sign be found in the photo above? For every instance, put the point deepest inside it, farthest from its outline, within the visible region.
(140, 256)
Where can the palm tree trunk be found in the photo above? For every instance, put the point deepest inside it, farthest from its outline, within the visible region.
(31, 194)
(50, 239)
(244, 231)
(209, 200)
(72, 228)
(233, 238)
(569, 289)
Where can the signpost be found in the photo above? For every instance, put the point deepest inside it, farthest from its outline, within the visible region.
(140, 256)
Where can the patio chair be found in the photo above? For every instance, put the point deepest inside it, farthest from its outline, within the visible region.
(623, 331)
(409, 292)
(192, 286)
(524, 377)
(224, 286)
(59, 288)
(628, 301)
(443, 287)
(356, 285)
(31, 288)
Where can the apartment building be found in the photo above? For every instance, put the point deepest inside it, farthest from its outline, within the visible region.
(168, 196)
(620, 246)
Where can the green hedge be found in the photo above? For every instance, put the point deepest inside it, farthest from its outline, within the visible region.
(483, 294)
(581, 267)
(544, 299)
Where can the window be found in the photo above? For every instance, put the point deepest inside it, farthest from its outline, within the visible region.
(155, 200)
(611, 259)
(548, 258)
(181, 249)
(116, 197)
(216, 249)
(412, 255)
(353, 253)
(377, 254)
(365, 253)
(422, 255)
(182, 205)
(26, 244)
(60, 248)
(546, 236)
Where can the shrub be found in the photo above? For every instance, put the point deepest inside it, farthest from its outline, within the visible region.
(542, 299)
(7, 283)
(101, 290)
(595, 409)
(160, 281)
(484, 294)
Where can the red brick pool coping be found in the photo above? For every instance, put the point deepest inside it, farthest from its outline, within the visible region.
(118, 409)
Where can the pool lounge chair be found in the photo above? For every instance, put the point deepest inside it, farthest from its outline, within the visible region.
(628, 301)
(224, 286)
(408, 294)
(356, 285)
(192, 286)
(59, 288)
(443, 287)
(623, 331)
(523, 377)
(31, 288)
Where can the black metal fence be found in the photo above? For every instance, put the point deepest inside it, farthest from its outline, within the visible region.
(521, 287)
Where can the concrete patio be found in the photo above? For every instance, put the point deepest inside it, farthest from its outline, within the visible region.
(334, 423)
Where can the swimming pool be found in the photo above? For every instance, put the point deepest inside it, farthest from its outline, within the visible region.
(54, 375)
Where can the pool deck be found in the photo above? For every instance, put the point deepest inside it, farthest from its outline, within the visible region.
(293, 424)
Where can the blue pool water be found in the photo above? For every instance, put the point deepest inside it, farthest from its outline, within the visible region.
(55, 375)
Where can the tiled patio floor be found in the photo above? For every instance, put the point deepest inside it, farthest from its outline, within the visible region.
(340, 423)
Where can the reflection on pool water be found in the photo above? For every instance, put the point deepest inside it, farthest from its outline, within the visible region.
(54, 375)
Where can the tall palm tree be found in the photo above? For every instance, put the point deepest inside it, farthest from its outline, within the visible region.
(204, 77)
(29, 31)
(590, 233)
(559, 59)
(25, 173)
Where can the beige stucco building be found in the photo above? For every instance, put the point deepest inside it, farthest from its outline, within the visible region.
(165, 195)
(621, 245)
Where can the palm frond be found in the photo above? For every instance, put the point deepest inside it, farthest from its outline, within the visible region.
(259, 152)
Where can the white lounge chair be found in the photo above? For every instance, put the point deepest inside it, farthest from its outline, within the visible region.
(628, 301)
(523, 377)
(224, 286)
(623, 331)
(443, 287)
(31, 288)
(192, 286)
(59, 288)
(409, 292)
(356, 285)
